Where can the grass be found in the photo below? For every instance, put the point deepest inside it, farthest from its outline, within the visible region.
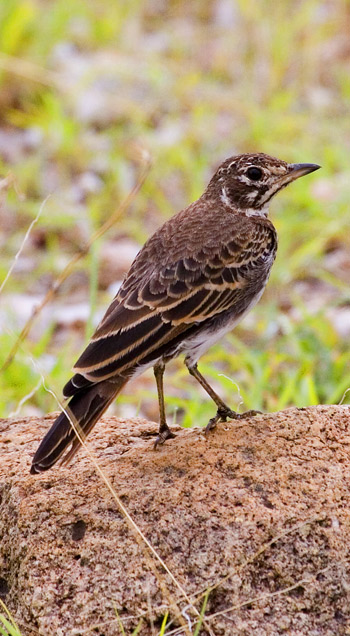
(258, 91)
(8, 626)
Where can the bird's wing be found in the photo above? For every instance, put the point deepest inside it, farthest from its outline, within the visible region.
(154, 308)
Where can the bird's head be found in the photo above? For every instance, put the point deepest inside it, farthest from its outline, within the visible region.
(248, 182)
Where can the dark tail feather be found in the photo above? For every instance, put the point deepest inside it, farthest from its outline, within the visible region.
(84, 409)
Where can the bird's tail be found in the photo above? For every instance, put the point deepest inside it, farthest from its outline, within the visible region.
(84, 409)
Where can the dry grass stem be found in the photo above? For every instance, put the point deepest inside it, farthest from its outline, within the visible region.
(25, 399)
(264, 597)
(29, 71)
(70, 266)
(18, 254)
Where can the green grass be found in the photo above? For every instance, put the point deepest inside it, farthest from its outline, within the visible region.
(262, 86)
(8, 626)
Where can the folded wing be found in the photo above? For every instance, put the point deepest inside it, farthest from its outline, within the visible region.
(157, 305)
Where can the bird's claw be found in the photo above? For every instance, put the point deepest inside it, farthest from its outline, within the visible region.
(223, 414)
(164, 434)
(211, 424)
(232, 415)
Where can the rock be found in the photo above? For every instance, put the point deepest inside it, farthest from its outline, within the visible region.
(259, 509)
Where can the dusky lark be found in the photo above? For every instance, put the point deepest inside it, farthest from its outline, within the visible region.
(192, 282)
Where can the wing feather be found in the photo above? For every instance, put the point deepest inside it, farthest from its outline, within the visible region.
(160, 300)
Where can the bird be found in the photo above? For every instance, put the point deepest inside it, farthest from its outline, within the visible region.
(193, 280)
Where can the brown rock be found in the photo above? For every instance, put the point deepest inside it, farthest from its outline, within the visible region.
(264, 503)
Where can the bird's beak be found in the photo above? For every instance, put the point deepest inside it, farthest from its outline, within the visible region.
(296, 170)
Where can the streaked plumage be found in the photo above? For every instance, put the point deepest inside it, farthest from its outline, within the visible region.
(193, 280)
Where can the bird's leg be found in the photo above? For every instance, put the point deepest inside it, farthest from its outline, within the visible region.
(223, 411)
(164, 430)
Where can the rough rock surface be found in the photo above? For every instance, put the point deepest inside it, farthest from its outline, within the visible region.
(210, 507)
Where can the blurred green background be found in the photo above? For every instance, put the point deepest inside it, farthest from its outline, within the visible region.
(85, 89)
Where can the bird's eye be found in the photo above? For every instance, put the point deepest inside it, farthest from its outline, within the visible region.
(254, 174)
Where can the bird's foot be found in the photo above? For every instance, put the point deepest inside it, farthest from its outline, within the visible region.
(232, 415)
(212, 424)
(164, 434)
(225, 413)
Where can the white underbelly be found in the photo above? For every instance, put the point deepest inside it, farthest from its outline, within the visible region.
(196, 346)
